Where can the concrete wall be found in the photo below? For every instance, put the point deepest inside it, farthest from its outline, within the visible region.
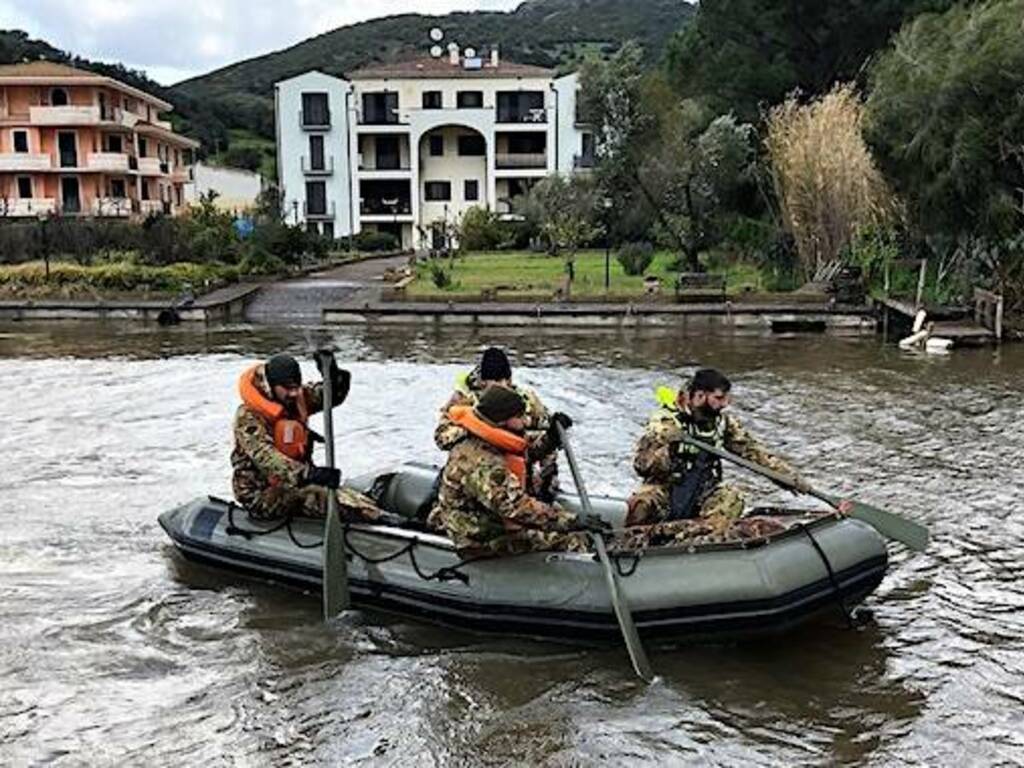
(237, 190)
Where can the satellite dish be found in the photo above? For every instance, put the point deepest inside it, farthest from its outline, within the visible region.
(471, 53)
(437, 51)
(437, 34)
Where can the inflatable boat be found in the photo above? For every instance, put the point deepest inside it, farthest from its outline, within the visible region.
(817, 563)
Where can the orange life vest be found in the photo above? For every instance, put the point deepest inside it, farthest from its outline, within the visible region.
(291, 435)
(512, 446)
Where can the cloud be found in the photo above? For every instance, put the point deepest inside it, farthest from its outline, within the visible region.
(175, 39)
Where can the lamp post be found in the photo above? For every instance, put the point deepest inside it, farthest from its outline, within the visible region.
(607, 204)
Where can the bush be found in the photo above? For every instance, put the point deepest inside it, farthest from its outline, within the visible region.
(635, 258)
(480, 230)
(374, 241)
(440, 276)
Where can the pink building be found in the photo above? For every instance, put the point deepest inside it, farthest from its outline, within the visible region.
(78, 143)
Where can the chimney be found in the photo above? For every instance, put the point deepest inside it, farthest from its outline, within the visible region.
(453, 55)
(495, 57)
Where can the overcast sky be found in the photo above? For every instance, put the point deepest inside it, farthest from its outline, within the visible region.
(176, 39)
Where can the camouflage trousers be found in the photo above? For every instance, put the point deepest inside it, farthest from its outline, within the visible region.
(281, 501)
(718, 529)
(528, 540)
(649, 504)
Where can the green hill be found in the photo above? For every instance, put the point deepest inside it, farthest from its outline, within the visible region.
(235, 103)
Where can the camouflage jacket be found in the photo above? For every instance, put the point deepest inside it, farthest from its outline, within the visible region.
(480, 499)
(654, 461)
(468, 389)
(255, 459)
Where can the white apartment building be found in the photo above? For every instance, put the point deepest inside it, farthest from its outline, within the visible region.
(402, 147)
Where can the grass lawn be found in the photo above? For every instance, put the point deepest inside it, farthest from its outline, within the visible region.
(520, 272)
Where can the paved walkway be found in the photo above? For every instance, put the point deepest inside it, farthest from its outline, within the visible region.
(303, 300)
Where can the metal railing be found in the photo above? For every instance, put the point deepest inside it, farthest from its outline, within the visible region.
(325, 168)
(315, 119)
(536, 160)
(315, 212)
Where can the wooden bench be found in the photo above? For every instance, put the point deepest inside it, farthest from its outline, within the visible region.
(699, 285)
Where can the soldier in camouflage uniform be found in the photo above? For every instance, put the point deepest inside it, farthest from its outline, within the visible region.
(662, 460)
(483, 505)
(494, 368)
(272, 477)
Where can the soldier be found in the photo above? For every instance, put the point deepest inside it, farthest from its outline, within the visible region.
(494, 368)
(663, 461)
(483, 504)
(274, 475)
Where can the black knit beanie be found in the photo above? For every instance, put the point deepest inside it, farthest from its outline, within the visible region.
(498, 404)
(494, 365)
(284, 371)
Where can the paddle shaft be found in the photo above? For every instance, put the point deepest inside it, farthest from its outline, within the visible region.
(335, 566)
(637, 656)
(895, 527)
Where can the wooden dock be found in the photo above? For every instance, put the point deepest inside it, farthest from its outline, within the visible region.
(961, 326)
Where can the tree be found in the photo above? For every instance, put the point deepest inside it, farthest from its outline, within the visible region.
(946, 116)
(826, 180)
(566, 212)
(743, 55)
(676, 156)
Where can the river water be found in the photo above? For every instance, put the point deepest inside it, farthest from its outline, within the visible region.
(113, 651)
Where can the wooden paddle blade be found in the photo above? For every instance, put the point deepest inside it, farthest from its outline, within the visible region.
(892, 526)
(335, 570)
(637, 655)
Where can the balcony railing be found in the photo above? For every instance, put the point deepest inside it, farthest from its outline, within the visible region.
(377, 207)
(152, 207)
(23, 161)
(150, 166)
(108, 161)
(64, 115)
(315, 120)
(316, 213)
(583, 161)
(324, 168)
(27, 206)
(537, 115)
(521, 160)
(113, 207)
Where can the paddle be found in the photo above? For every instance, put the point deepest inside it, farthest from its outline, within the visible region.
(335, 566)
(629, 633)
(886, 523)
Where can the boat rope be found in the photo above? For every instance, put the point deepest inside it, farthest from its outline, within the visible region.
(448, 573)
(831, 575)
(635, 558)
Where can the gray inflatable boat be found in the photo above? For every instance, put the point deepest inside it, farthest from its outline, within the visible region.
(819, 564)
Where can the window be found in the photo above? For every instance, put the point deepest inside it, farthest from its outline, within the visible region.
(315, 111)
(380, 108)
(432, 100)
(316, 153)
(21, 141)
(117, 188)
(470, 99)
(526, 143)
(472, 145)
(24, 187)
(471, 190)
(145, 189)
(436, 145)
(388, 155)
(437, 191)
(316, 198)
(312, 228)
(143, 148)
(59, 97)
(587, 144)
(328, 230)
(114, 144)
(521, 107)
